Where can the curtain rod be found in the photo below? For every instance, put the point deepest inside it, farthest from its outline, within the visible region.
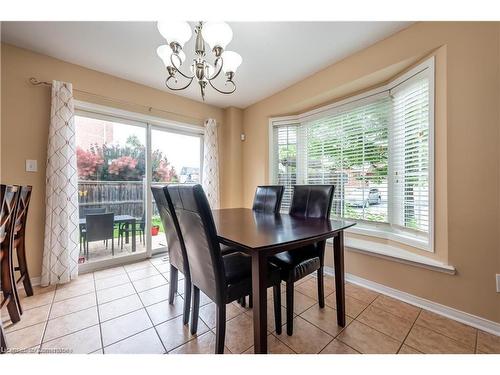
(36, 82)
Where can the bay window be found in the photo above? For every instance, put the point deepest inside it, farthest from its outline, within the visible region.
(376, 148)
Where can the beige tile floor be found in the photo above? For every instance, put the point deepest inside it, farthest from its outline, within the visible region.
(125, 310)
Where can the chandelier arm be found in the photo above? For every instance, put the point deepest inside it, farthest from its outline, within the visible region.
(177, 88)
(221, 91)
(219, 70)
(178, 68)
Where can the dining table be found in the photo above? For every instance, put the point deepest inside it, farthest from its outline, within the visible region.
(261, 235)
(120, 219)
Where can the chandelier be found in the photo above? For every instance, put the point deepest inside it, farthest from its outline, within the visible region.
(217, 35)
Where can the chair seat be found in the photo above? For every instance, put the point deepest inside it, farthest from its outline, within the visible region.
(297, 263)
(238, 270)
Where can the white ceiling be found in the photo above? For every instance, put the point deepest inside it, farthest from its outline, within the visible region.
(275, 54)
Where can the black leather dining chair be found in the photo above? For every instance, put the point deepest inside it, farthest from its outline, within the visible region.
(267, 199)
(308, 202)
(176, 249)
(223, 279)
(99, 227)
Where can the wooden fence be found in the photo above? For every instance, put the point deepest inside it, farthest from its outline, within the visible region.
(120, 197)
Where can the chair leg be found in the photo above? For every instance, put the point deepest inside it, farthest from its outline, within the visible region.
(289, 307)
(250, 300)
(277, 307)
(187, 299)
(23, 267)
(174, 278)
(112, 246)
(321, 288)
(196, 310)
(243, 302)
(3, 340)
(220, 326)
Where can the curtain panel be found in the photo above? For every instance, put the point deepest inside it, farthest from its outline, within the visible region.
(211, 163)
(61, 247)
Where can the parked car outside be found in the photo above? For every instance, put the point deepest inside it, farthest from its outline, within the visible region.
(360, 197)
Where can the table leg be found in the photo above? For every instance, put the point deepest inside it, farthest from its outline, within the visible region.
(133, 236)
(259, 292)
(338, 255)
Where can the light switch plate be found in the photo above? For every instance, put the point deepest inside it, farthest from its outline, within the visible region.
(31, 166)
(498, 283)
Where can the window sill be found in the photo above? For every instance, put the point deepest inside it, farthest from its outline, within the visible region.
(396, 254)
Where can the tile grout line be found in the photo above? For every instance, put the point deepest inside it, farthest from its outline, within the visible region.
(146, 310)
(408, 334)
(98, 313)
(47, 321)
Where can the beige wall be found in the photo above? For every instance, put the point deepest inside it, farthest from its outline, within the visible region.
(467, 154)
(25, 120)
(231, 176)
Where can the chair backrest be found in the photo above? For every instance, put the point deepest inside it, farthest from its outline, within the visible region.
(175, 242)
(99, 226)
(22, 210)
(9, 198)
(268, 198)
(200, 237)
(312, 201)
(93, 211)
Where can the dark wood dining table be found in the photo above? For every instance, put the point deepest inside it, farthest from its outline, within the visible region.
(120, 219)
(261, 235)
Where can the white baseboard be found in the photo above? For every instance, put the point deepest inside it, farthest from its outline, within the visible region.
(448, 312)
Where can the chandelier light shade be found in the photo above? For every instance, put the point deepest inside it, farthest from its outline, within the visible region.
(232, 61)
(175, 31)
(217, 35)
(165, 53)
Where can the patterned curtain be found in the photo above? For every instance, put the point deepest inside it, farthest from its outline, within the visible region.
(211, 163)
(61, 248)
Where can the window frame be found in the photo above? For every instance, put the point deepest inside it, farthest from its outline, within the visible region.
(374, 229)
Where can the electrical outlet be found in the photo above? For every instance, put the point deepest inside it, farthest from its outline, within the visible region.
(498, 283)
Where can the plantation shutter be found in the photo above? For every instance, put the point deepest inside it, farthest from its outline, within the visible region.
(411, 154)
(349, 149)
(285, 156)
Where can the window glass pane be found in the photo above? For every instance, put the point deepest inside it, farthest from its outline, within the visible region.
(285, 149)
(175, 158)
(111, 158)
(350, 150)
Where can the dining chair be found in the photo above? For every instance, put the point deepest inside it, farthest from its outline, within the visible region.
(309, 202)
(84, 213)
(175, 245)
(9, 197)
(223, 279)
(267, 199)
(125, 229)
(3, 339)
(19, 239)
(100, 227)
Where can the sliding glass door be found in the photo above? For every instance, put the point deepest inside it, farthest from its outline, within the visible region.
(175, 158)
(111, 160)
